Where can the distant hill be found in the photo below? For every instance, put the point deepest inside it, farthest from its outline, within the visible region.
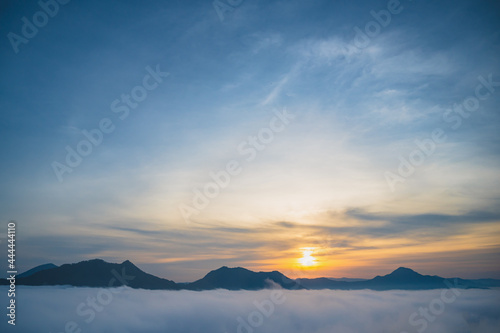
(402, 278)
(487, 282)
(347, 279)
(36, 269)
(241, 278)
(328, 283)
(98, 273)
(323, 283)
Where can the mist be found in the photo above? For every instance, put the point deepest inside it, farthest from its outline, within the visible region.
(68, 309)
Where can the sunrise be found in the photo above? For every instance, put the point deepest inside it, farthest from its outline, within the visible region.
(250, 166)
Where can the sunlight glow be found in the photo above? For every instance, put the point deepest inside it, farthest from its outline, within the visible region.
(307, 259)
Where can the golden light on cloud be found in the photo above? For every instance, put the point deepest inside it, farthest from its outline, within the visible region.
(307, 259)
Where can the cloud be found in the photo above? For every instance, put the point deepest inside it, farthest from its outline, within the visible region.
(354, 233)
(426, 220)
(276, 90)
(49, 309)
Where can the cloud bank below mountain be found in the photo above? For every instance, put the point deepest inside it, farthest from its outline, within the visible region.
(60, 309)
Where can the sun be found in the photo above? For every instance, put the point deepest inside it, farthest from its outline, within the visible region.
(307, 259)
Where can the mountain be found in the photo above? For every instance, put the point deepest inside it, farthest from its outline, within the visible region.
(402, 278)
(347, 279)
(405, 278)
(36, 269)
(487, 282)
(323, 283)
(97, 273)
(240, 278)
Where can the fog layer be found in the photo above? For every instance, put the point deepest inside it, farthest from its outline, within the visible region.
(61, 309)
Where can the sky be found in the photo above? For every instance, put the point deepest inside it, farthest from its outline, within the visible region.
(317, 138)
(316, 311)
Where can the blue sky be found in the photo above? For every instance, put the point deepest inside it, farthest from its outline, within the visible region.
(319, 184)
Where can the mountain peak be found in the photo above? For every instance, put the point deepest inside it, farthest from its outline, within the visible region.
(37, 269)
(237, 278)
(404, 270)
(225, 269)
(404, 273)
(95, 261)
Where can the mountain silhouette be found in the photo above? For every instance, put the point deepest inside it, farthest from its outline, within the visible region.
(323, 283)
(241, 278)
(405, 278)
(402, 278)
(36, 269)
(98, 273)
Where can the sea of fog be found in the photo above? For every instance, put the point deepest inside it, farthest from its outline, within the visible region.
(68, 309)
